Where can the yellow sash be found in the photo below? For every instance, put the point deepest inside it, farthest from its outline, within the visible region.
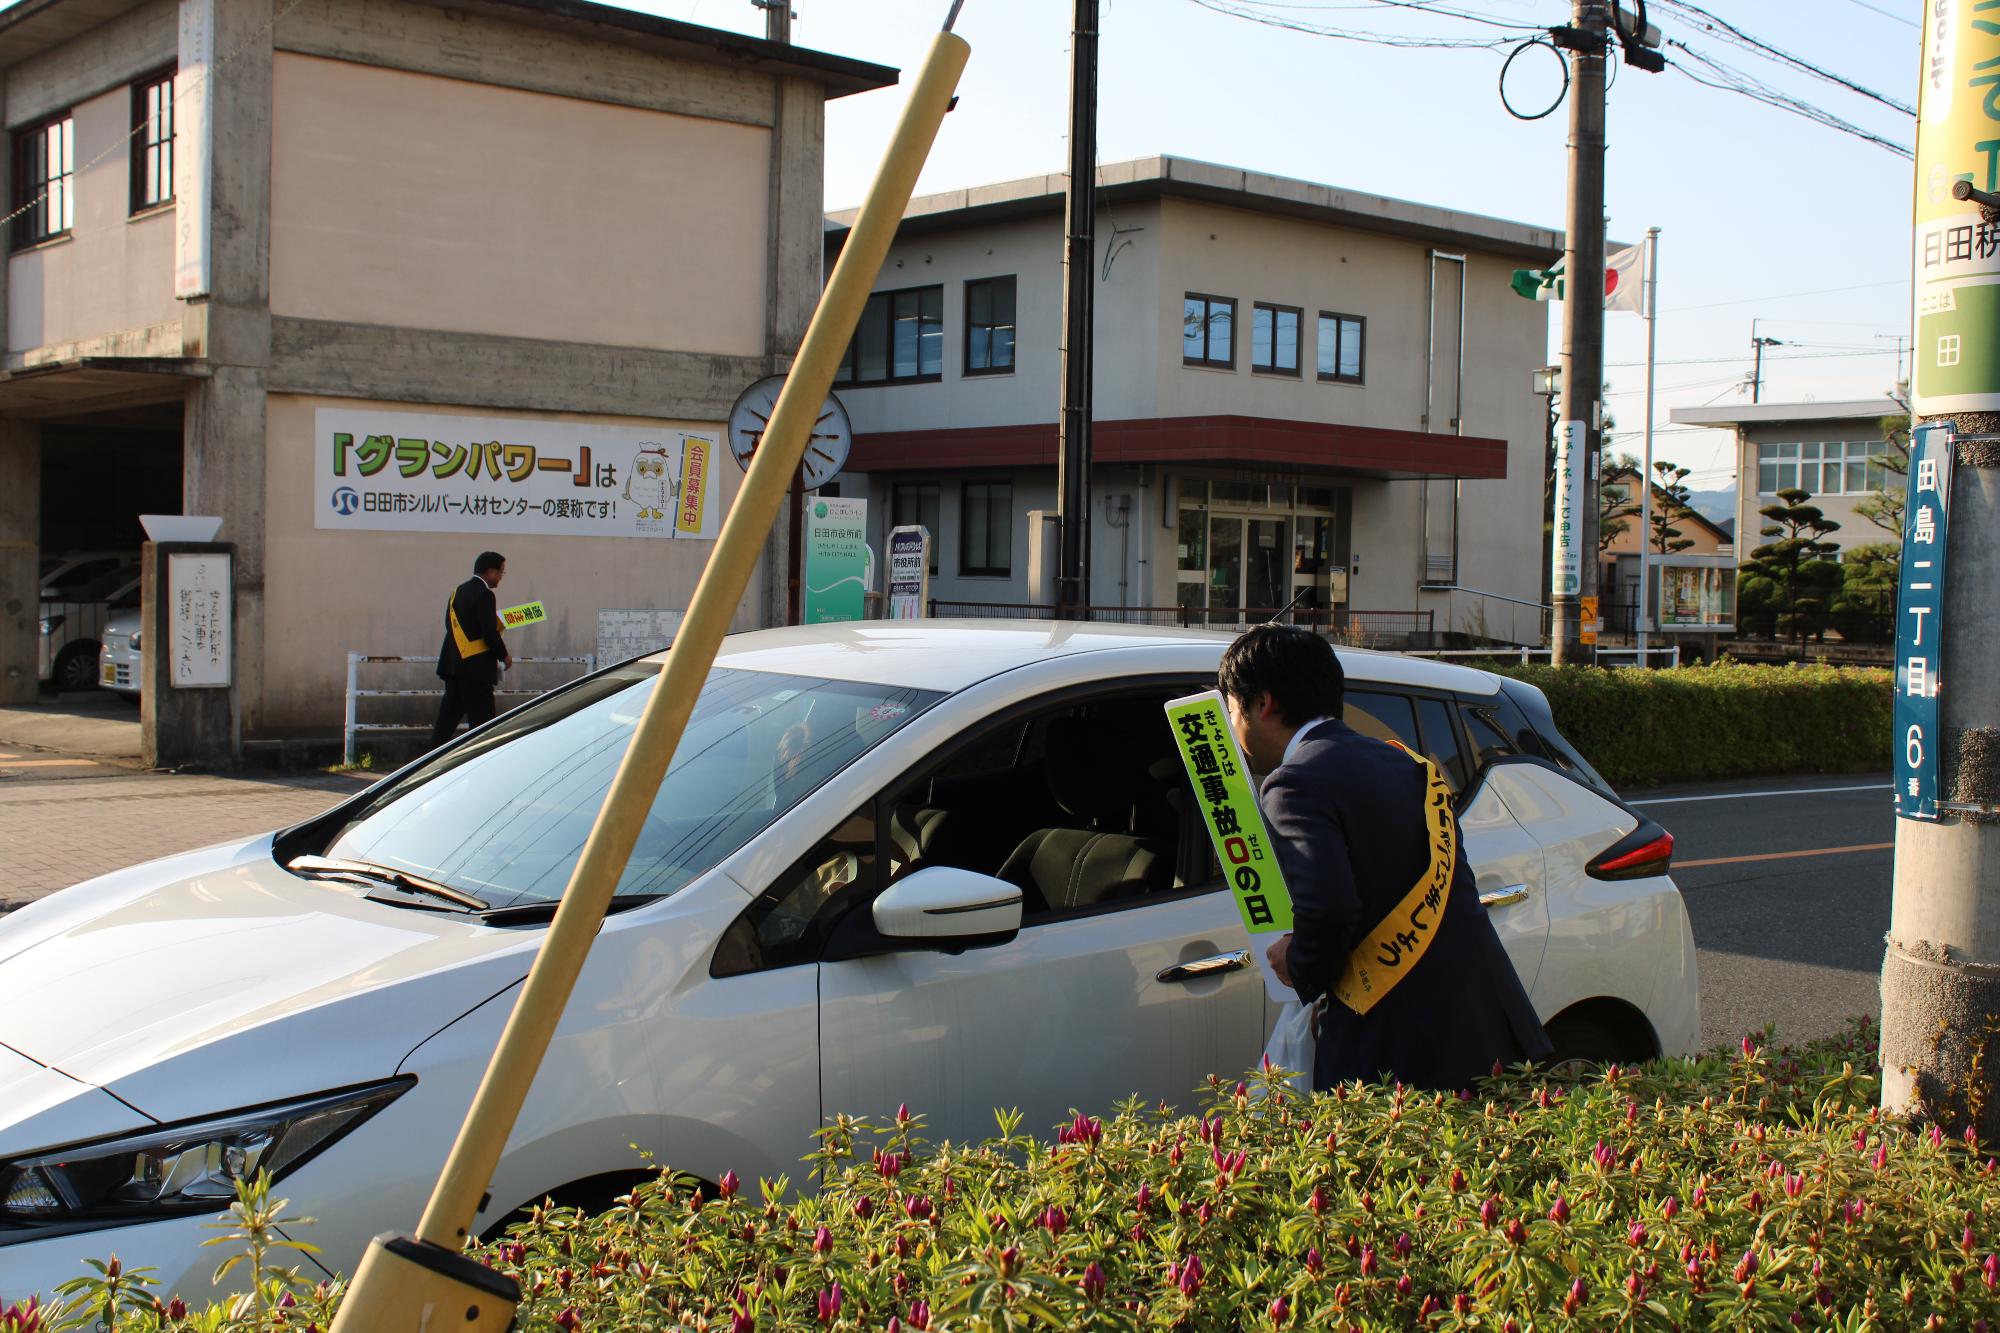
(466, 647)
(1393, 948)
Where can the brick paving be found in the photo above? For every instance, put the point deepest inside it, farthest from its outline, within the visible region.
(64, 819)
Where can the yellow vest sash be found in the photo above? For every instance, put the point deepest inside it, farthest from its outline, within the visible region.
(466, 647)
(1391, 951)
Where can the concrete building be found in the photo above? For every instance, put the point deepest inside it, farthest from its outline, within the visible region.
(381, 283)
(1833, 450)
(1618, 575)
(1293, 381)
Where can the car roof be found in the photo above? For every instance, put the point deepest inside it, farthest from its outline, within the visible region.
(950, 655)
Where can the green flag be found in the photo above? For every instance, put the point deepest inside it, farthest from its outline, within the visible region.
(1539, 284)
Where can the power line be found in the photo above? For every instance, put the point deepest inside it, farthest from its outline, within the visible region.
(1734, 35)
(1785, 296)
(1748, 85)
(1745, 357)
(1908, 23)
(1407, 40)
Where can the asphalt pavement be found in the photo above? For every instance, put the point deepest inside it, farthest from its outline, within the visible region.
(1787, 885)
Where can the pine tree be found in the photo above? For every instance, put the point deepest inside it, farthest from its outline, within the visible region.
(1670, 506)
(1798, 564)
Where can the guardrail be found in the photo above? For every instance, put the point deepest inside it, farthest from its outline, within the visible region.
(1672, 653)
(352, 726)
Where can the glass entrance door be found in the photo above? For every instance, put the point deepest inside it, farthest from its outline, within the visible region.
(1243, 567)
(1225, 568)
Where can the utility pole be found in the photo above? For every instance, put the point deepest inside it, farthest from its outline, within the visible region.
(1642, 614)
(1941, 971)
(1757, 345)
(1079, 299)
(1578, 434)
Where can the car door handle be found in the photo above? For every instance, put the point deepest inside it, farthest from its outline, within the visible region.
(1513, 893)
(1212, 966)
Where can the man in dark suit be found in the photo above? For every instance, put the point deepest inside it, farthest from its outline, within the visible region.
(1355, 830)
(474, 652)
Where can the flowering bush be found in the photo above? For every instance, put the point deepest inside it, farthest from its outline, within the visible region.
(1757, 1189)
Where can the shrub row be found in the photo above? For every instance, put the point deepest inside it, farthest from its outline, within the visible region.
(1757, 1189)
(1726, 719)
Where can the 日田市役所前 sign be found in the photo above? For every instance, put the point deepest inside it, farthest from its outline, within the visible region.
(421, 472)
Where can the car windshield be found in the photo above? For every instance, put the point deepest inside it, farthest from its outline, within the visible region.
(504, 815)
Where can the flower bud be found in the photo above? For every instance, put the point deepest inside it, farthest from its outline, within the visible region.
(1635, 1235)
(1317, 1201)
(864, 1207)
(1457, 1183)
(1280, 1311)
(1670, 1208)
(829, 1304)
(1404, 1286)
(1515, 1232)
(1055, 1220)
(902, 1113)
(1559, 1211)
(1369, 1264)
(1489, 1212)
(568, 1318)
(822, 1240)
(920, 1315)
(1577, 1293)
(1143, 1200)
(1315, 1264)
(728, 1185)
(1094, 1281)
(742, 1322)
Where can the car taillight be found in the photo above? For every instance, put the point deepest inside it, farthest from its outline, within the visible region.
(1647, 850)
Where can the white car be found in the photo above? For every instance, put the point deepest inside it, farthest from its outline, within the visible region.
(321, 1002)
(121, 661)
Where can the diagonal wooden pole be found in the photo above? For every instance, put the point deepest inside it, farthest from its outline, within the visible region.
(403, 1284)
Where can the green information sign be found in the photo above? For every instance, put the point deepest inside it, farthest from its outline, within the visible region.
(1221, 780)
(837, 559)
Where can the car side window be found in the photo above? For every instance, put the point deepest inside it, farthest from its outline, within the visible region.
(1441, 741)
(789, 922)
(1496, 728)
(1386, 717)
(1082, 807)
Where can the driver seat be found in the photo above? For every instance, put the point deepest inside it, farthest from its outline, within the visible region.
(1093, 778)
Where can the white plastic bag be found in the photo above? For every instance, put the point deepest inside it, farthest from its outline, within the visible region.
(1293, 1042)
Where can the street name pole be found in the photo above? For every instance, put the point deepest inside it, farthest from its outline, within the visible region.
(1941, 970)
(1577, 437)
(1079, 295)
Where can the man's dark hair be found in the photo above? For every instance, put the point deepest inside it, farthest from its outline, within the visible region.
(1295, 666)
(488, 560)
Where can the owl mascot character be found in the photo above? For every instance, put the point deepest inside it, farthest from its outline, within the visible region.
(649, 485)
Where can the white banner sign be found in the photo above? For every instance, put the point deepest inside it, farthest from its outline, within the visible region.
(194, 147)
(198, 616)
(909, 572)
(1566, 570)
(414, 472)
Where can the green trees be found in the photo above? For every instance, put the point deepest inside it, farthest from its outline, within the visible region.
(1670, 507)
(1790, 583)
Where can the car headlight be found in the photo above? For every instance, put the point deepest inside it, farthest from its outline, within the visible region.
(186, 1168)
(50, 624)
(135, 640)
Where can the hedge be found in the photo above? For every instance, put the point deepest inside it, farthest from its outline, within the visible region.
(1727, 719)
(1758, 1188)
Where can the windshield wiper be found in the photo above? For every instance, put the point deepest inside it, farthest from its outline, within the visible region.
(544, 909)
(400, 879)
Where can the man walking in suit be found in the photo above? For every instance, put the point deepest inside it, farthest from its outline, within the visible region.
(474, 652)
(1388, 934)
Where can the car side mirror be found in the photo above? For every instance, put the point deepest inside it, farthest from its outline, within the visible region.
(944, 906)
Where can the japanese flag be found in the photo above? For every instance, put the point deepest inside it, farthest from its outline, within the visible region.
(1623, 274)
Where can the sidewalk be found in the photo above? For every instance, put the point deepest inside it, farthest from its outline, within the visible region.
(67, 818)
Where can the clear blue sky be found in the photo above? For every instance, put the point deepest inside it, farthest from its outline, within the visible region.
(1756, 205)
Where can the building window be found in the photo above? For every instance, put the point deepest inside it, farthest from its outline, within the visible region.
(986, 528)
(1274, 339)
(1827, 467)
(1208, 329)
(1341, 342)
(916, 505)
(44, 175)
(153, 142)
(900, 339)
(989, 326)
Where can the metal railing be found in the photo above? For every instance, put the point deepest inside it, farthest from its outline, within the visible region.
(1364, 624)
(1525, 655)
(352, 726)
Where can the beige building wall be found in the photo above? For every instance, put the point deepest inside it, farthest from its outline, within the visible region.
(1854, 530)
(107, 287)
(335, 592)
(425, 202)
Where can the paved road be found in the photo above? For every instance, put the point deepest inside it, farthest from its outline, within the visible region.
(64, 818)
(1783, 937)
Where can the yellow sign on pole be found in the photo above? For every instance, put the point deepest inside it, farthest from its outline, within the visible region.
(1588, 625)
(694, 482)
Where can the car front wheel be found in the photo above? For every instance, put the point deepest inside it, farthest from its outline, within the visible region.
(76, 668)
